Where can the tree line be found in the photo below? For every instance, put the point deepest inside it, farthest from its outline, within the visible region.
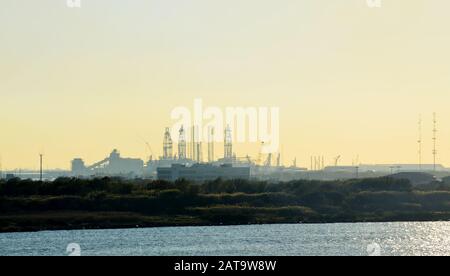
(217, 202)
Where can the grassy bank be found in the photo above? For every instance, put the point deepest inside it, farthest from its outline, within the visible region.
(68, 203)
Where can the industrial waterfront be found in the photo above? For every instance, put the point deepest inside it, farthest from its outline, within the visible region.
(185, 161)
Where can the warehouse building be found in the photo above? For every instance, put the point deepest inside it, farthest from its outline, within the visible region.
(203, 172)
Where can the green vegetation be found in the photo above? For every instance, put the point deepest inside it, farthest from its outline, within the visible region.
(70, 203)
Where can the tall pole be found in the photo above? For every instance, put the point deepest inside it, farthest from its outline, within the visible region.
(198, 145)
(434, 141)
(210, 144)
(420, 142)
(194, 158)
(1, 168)
(40, 167)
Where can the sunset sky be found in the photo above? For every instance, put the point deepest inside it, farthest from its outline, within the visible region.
(349, 80)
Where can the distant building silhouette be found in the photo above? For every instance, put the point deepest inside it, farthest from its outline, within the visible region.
(114, 165)
(203, 172)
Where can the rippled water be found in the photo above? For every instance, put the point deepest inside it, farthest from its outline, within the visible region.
(416, 238)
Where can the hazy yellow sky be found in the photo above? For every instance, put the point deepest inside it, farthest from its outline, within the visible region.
(349, 80)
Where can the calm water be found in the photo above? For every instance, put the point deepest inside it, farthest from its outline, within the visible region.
(415, 238)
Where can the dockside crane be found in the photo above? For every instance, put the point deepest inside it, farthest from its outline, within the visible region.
(336, 160)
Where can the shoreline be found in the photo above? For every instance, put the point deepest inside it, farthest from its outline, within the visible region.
(110, 203)
(176, 221)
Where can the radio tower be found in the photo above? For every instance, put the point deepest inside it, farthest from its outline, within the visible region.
(193, 144)
(434, 141)
(420, 143)
(40, 166)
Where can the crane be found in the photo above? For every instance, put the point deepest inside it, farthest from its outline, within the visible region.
(268, 162)
(336, 160)
(279, 160)
(147, 144)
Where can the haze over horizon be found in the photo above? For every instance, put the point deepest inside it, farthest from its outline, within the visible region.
(349, 80)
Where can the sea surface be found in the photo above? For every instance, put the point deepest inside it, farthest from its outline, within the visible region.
(352, 239)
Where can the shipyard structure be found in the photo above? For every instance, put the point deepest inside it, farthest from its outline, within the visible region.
(113, 165)
(187, 163)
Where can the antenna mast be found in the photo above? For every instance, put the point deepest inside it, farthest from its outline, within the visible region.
(434, 141)
(40, 166)
(193, 143)
(1, 168)
(420, 142)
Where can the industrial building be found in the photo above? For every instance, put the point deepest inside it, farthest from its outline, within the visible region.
(114, 165)
(393, 168)
(187, 162)
(203, 172)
